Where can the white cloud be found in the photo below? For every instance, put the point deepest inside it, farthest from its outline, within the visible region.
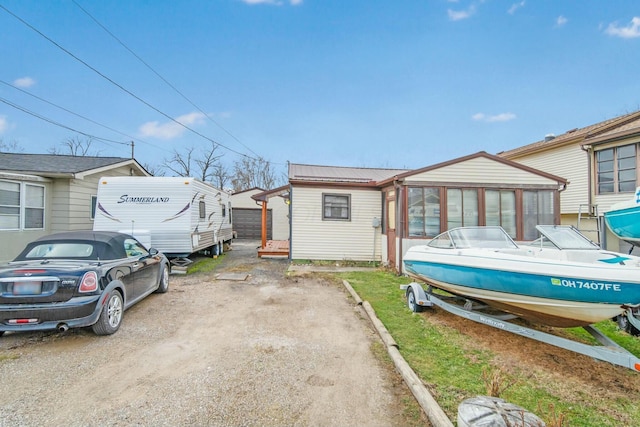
(514, 7)
(502, 117)
(170, 130)
(628, 32)
(24, 82)
(561, 21)
(458, 15)
(4, 124)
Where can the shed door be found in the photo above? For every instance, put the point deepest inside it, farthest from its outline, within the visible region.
(247, 223)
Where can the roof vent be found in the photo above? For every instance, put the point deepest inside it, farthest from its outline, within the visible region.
(548, 137)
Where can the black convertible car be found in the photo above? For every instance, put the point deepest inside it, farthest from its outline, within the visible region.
(77, 279)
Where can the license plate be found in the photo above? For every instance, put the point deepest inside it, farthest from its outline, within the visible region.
(27, 288)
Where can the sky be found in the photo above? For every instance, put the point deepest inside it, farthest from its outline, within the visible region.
(382, 84)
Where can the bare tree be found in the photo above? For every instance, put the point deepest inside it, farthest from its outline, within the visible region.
(11, 147)
(252, 172)
(75, 146)
(220, 176)
(153, 169)
(208, 162)
(203, 164)
(180, 163)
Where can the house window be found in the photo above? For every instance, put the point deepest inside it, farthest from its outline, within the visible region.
(537, 209)
(500, 209)
(462, 207)
(616, 169)
(424, 211)
(21, 206)
(336, 206)
(9, 205)
(34, 207)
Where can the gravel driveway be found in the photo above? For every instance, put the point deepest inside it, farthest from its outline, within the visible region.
(266, 351)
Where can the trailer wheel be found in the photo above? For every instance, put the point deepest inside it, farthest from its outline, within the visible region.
(625, 325)
(411, 301)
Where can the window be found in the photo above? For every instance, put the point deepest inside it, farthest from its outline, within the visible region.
(21, 206)
(94, 204)
(134, 249)
(500, 209)
(424, 211)
(616, 169)
(537, 210)
(462, 208)
(9, 205)
(230, 212)
(336, 206)
(203, 209)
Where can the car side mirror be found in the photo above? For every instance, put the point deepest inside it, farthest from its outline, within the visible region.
(153, 251)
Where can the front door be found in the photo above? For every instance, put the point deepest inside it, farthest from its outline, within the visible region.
(390, 226)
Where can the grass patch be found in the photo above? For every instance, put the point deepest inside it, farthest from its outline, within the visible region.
(204, 265)
(338, 263)
(455, 368)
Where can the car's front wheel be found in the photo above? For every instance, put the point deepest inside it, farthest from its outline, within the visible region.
(163, 286)
(111, 315)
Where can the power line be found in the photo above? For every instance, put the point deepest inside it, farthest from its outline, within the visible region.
(118, 85)
(161, 77)
(53, 122)
(76, 114)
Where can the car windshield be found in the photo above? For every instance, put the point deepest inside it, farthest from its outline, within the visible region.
(81, 250)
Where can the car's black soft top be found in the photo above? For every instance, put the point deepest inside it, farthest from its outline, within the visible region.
(107, 244)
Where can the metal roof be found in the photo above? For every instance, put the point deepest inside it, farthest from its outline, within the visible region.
(314, 173)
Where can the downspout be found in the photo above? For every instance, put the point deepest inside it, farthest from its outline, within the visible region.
(290, 221)
(588, 149)
(602, 230)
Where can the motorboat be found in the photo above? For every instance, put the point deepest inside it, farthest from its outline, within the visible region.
(562, 279)
(623, 219)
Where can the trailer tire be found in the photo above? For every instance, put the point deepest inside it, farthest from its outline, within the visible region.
(412, 303)
(625, 325)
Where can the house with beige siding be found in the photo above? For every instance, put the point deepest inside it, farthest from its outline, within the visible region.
(366, 214)
(600, 163)
(42, 194)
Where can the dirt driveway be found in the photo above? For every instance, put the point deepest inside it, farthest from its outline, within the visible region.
(266, 351)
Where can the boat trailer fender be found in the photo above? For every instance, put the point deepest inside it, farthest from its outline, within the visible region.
(421, 296)
(633, 320)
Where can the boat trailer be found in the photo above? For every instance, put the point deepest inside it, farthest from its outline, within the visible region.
(608, 351)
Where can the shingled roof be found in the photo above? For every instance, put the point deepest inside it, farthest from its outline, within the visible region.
(579, 135)
(54, 165)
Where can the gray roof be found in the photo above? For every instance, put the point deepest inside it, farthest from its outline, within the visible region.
(54, 164)
(334, 174)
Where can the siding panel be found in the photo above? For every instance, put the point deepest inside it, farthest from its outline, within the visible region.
(316, 239)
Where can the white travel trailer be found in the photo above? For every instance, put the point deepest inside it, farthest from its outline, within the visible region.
(177, 216)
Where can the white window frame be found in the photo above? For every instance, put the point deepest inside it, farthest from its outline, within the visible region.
(23, 206)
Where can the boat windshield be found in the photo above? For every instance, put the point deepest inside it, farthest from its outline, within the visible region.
(565, 237)
(474, 237)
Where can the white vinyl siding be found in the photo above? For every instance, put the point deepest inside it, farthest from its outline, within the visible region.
(475, 170)
(569, 162)
(318, 239)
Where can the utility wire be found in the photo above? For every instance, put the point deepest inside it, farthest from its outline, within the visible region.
(161, 77)
(53, 122)
(120, 86)
(76, 114)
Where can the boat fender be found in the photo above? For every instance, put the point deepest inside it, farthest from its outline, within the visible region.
(487, 411)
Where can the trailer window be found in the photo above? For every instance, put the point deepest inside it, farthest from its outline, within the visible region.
(203, 210)
(224, 211)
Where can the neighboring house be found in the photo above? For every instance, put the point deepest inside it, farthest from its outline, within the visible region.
(600, 162)
(247, 214)
(366, 214)
(45, 193)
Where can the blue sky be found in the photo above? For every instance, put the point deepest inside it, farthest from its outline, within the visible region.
(402, 84)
